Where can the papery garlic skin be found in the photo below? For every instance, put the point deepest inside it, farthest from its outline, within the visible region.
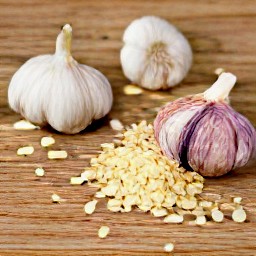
(155, 54)
(56, 89)
(204, 133)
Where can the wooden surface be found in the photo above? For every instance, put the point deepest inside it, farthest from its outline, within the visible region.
(222, 34)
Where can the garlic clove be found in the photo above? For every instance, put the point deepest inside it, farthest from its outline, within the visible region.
(212, 136)
(56, 89)
(155, 54)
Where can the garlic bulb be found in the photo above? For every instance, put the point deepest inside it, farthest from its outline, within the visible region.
(56, 89)
(155, 54)
(204, 133)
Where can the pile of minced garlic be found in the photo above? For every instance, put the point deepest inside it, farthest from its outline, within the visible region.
(132, 173)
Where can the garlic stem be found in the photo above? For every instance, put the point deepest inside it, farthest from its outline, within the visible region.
(221, 88)
(63, 42)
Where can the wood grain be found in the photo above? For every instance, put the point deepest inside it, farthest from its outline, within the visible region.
(222, 34)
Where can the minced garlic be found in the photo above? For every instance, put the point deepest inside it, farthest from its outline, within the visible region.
(134, 173)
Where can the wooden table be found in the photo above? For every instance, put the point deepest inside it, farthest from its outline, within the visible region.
(222, 34)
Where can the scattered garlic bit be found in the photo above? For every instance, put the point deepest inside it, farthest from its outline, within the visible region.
(159, 212)
(132, 90)
(136, 174)
(239, 215)
(76, 180)
(47, 141)
(57, 154)
(24, 151)
(206, 204)
(39, 172)
(56, 198)
(199, 211)
(200, 220)
(217, 216)
(218, 71)
(116, 125)
(25, 125)
(89, 207)
(88, 175)
(99, 194)
(169, 247)
(107, 145)
(174, 218)
(103, 231)
(237, 200)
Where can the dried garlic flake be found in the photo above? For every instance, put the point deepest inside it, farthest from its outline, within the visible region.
(56, 198)
(25, 125)
(132, 90)
(103, 231)
(237, 200)
(169, 247)
(173, 218)
(116, 125)
(24, 151)
(239, 215)
(200, 220)
(88, 174)
(219, 71)
(89, 207)
(57, 154)
(76, 180)
(47, 141)
(217, 216)
(39, 172)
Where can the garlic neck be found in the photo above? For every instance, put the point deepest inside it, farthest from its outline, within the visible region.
(221, 88)
(63, 43)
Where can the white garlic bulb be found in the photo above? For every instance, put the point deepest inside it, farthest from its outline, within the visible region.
(155, 54)
(56, 89)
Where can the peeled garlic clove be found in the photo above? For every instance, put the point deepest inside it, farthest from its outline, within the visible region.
(56, 89)
(155, 54)
(204, 133)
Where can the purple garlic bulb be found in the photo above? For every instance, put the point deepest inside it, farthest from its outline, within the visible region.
(204, 133)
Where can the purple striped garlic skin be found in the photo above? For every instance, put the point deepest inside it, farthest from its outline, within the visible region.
(207, 136)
